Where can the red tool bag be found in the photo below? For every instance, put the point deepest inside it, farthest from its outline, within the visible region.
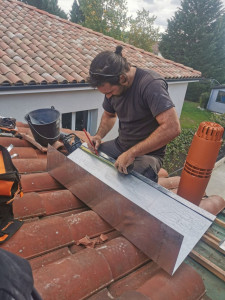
(10, 186)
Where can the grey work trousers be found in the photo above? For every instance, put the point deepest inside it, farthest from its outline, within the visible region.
(147, 165)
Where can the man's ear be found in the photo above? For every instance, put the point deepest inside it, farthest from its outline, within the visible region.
(123, 79)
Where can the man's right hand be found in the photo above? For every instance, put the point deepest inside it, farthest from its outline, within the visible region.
(96, 140)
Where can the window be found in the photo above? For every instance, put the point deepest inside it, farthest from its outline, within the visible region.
(221, 97)
(81, 119)
(67, 120)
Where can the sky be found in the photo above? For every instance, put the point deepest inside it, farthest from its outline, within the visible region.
(162, 9)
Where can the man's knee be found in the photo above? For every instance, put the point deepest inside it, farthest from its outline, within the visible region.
(148, 166)
(151, 174)
(110, 149)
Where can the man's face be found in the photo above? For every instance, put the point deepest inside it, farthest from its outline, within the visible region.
(111, 90)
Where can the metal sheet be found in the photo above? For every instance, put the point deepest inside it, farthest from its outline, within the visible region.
(164, 227)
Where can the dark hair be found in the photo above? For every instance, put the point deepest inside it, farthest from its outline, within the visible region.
(107, 66)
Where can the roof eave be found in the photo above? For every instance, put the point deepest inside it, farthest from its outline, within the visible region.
(73, 85)
(42, 87)
(190, 79)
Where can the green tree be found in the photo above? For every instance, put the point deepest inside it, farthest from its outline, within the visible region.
(50, 6)
(106, 16)
(115, 15)
(195, 37)
(142, 32)
(76, 14)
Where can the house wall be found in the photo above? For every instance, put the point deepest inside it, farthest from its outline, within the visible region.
(177, 91)
(213, 105)
(18, 103)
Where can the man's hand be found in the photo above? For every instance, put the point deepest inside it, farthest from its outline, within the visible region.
(123, 161)
(96, 141)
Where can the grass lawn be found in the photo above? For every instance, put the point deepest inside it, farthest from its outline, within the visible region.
(192, 116)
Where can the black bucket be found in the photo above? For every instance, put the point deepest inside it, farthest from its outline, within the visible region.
(45, 125)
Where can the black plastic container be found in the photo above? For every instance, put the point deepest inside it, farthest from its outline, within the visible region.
(45, 125)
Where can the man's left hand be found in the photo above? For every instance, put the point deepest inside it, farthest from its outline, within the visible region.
(123, 161)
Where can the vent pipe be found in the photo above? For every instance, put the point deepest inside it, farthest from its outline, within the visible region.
(200, 161)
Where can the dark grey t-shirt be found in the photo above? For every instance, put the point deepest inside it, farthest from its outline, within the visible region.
(137, 108)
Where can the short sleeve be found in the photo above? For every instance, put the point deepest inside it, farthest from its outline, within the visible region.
(108, 106)
(157, 98)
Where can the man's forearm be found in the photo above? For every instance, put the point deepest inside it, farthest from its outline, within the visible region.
(169, 128)
(106, 124)
(156, 140)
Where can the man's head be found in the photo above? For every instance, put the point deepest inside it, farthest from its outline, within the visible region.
(108, 68)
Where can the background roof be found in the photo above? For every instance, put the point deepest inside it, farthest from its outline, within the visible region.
(39, 48)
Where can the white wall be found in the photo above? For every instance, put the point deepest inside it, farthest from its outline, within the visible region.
(18, 103)
(177, 91)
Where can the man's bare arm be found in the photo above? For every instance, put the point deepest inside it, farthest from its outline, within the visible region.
(169, 128)
(107, 122)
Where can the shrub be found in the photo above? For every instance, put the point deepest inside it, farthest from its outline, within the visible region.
(177, 150)
(204, 98)
(218, 118)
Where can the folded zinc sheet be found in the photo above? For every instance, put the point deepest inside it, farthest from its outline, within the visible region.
(161, 224)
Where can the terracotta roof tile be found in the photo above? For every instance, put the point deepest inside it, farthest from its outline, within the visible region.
(21, 53)
(30, 165)
(55, 221)
(38, 78)
(13, 78)
(38, 34)
(41, 261)
(49, 78)
(133, 280)
(68, 77)
(16, 69)
(19, 60)
(181, 279)
(52, 233)
(30, 205)
(39, 182)
(92, 272)
(59, 78)
(26, 78)
(4, 80)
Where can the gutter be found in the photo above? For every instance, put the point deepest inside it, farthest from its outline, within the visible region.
(26, 89)
(70, 86)
(183, 80)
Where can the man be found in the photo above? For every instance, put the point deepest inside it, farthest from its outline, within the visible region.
(147, 117)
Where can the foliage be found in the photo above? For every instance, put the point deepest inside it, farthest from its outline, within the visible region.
(110, 18)
(195, 37)
(177, 151)
(142, 33)
(76, 14)
(106, 16)
(50, 6)
(115, 14)
(218, 118)
(204, 98)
